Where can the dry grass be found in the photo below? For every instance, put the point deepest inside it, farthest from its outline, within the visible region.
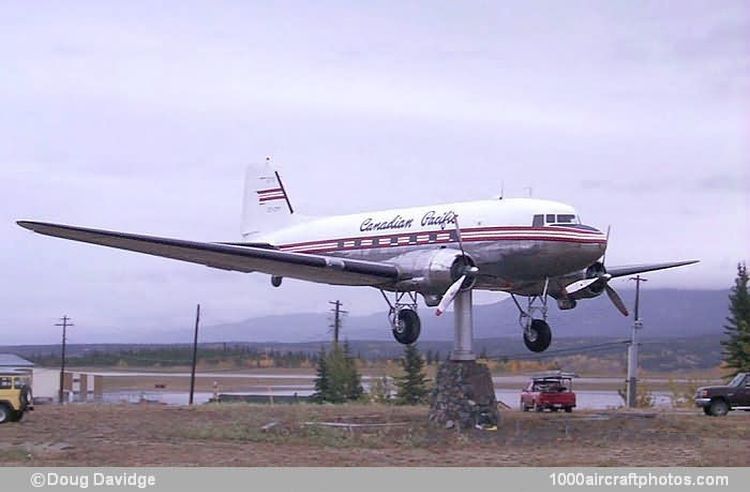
(232, 435)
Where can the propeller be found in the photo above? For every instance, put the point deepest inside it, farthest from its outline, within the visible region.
(600, 282)
(469, 272)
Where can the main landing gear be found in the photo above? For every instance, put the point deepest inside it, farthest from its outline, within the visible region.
(537, 335)
(403, 316)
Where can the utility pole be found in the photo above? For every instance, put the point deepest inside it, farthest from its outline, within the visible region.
(65, 324)
(195, 353)
(337, 313)
(633, 347)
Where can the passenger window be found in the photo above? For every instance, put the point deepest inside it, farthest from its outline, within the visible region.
(538, 221)
(550, 218)
(6, 383)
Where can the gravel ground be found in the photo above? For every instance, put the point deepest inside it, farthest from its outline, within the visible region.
(233, 435)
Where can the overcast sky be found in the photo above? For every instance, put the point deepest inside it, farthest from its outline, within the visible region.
(141, 117)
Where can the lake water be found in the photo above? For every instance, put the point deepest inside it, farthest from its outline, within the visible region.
(586, 399)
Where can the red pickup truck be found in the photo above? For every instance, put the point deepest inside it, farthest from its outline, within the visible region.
(549, 391)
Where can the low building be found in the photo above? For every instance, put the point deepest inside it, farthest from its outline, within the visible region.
(14, 363)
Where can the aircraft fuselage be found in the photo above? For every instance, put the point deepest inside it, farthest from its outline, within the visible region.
(515, 243)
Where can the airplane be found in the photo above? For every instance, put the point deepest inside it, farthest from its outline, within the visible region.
(537, 249)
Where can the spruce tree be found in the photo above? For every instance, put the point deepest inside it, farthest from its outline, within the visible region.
(322, 378)
(338, 379)
(412, 386)
(736, 354)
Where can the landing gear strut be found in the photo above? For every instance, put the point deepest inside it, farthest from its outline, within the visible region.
(403, 316)
(537, 335)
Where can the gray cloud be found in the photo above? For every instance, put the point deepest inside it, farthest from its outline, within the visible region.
(139, 117)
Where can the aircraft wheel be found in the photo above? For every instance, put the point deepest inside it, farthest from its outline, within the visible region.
(407, 327)
(538, 336)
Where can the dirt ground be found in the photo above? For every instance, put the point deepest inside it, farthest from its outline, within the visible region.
(233, 435)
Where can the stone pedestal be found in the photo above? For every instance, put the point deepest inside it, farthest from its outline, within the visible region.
(464, 396)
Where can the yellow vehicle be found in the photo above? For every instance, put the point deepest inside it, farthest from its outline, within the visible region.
(15, 396)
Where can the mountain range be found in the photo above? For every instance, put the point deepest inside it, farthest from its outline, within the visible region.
(664, 312)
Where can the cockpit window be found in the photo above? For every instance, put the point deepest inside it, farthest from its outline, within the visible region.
(554, 219)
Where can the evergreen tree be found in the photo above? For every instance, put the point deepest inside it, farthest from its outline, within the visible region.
(736, 352)
(412, 386)
(322, 379)
(338, 379)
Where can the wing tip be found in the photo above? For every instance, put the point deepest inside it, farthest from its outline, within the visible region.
(26, 224)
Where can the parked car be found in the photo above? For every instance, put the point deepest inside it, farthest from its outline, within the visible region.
(15, 396)
(720, 400)
(552, 391)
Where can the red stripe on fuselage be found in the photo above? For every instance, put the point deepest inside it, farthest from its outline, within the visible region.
(384, 241)
(465, 231)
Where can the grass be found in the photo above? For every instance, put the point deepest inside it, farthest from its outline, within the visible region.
(14, 455)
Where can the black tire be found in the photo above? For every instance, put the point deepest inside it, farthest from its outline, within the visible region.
(538, 408)
(538, 337)
(524, 408)
(719, 407)
(707, 410)
(17, 416)
(6, 414)
(407, 327)
(568, 409)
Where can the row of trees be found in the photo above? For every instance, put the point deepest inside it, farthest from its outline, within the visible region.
(338, 379)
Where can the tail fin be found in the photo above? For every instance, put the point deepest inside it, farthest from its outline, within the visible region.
(266, 204)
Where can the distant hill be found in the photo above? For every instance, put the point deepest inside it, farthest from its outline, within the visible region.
(665, 312)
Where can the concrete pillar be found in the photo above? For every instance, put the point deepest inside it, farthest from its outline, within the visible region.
(463, 327)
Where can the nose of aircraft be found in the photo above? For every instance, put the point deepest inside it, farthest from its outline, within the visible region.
(597, 247)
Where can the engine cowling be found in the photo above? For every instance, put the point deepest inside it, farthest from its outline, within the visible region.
(597, 288)
(433, 272)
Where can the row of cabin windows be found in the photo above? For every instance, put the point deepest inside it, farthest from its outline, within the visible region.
(552, 219)
(393, 241)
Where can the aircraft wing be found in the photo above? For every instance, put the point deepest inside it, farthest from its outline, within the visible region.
(315, 268)
(634, 269)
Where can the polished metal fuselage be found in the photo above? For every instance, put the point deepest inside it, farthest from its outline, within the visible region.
(512, 253)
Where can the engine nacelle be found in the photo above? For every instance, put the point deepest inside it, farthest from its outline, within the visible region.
(434, 271)
(594, 290)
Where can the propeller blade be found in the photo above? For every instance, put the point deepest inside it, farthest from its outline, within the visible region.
(616, 300)
(580, 285)
(449, 295)
(458, 236)
(606, 245)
